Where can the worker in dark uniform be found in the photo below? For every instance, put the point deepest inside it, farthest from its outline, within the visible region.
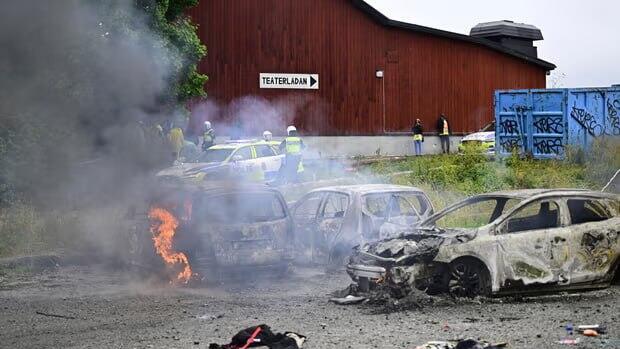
(443, 129)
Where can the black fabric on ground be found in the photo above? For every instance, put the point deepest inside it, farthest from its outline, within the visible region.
(287, 340)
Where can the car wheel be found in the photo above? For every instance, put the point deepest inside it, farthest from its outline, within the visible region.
(468, 278)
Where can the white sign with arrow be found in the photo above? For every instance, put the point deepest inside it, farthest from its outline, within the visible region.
(289, 81)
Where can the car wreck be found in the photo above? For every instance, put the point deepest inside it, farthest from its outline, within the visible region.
(525, 241)
(330, 221)
(220, 227)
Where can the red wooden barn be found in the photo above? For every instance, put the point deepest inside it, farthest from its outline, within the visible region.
(375, 75)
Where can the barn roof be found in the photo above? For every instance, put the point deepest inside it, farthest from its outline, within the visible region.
(381, 18)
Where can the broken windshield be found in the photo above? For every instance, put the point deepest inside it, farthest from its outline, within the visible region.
(214, 155)
(241, 208)
(472, 213)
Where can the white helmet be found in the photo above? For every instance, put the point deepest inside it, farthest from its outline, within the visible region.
(208, 125)
(290, 129)
(267, 136)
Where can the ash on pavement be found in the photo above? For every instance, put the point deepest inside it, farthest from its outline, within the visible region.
(103, 309)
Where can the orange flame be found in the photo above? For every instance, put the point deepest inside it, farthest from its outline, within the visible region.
(163, 234)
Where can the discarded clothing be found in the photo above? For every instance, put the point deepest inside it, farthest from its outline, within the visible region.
(262, 336)
(462, 344)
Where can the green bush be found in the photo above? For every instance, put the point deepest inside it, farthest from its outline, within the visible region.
(603, 160)
(447, 178)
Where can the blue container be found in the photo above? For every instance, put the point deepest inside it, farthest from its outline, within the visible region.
(545, 122)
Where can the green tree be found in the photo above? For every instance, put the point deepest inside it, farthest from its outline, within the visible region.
(169, 21)
(176, 28)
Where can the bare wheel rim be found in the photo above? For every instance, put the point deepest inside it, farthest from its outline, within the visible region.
(465, 280)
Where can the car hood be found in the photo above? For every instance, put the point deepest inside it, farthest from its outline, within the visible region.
(480, 136)
(410, 247)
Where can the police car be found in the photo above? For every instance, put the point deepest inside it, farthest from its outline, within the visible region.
(252, 159)
(484, 138)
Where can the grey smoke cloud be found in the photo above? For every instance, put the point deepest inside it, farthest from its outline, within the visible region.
(81, 75)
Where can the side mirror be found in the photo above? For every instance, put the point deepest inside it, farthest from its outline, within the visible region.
(237, 158)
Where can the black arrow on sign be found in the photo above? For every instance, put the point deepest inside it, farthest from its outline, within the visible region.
(313, 81)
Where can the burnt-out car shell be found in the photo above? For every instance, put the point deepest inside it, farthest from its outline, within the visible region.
(225, 226)
(330, 221)
(529, 241)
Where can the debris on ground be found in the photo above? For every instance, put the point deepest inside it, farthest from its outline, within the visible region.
(349, 299)
(389, 299)
(590, 333)
(600, 329)
(261, 335)
(569, 341)
(55, 315)
(460, 344)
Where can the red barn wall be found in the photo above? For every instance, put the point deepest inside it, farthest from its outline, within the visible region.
(424, 74)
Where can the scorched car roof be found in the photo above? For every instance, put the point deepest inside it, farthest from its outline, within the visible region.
(368, 188)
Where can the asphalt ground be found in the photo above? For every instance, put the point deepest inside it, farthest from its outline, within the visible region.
(91, 307)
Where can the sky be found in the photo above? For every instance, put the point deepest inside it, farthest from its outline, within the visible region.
(582, 38)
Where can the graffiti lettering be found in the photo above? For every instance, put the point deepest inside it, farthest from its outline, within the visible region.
(509, 126)
(613, 118)
(549, 124)
(612, 107)
(508, 145)
(588, 121)
(548, 146)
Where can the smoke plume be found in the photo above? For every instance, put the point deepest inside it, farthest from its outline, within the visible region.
(82, 84)
(80, 81)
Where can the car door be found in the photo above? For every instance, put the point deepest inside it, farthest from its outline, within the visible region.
(328, 241)
(533, 245)
(305, 222)
(594, 238)
(243, 161)
(267, 159)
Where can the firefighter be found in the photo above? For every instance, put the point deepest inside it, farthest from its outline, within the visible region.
(208, 137)
(292, 145)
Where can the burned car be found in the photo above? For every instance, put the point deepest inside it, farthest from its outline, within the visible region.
(329, 221)
(215, 228)
(500, 243)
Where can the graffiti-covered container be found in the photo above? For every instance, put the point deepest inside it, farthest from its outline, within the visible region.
(545, 122)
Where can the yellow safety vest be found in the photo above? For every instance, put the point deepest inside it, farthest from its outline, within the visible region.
(176, 139)
(445, 128)
(208, 136)
(293, 145)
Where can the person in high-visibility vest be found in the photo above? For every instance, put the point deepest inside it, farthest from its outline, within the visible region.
(443, 128)
(176, 139)
(292, 145)
(208, 137)
(418, 137)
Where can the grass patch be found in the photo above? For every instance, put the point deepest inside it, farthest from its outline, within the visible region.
(449, 178)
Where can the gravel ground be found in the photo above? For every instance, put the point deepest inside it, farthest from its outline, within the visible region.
(110, 310)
